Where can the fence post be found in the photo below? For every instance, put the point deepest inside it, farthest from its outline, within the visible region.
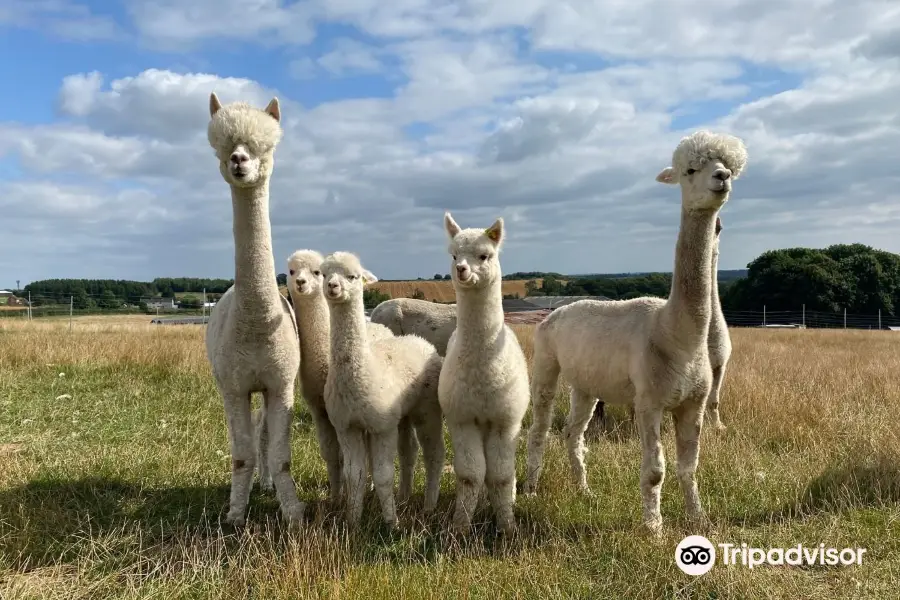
(29, 305)
(71, 306)
(764, 315)
(845, 318)
(804, 316)
(879, 319)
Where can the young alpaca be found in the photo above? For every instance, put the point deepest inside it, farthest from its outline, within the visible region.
(648, 352)
(251, 339)
(484, 380)
(718, 343)
(379, 390)
(311, 310)
(430, 320)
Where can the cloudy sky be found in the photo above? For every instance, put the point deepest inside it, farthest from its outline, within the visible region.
(555, 114)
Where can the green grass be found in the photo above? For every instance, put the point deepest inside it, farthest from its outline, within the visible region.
(115, 479)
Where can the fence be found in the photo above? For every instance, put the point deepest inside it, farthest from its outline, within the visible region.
(809, 319)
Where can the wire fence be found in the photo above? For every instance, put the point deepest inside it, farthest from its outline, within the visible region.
(810, 319)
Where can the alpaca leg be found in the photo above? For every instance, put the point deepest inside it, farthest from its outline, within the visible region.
(407, 449)
(329, 449)
(279, 415)
(262, 447)
(500, 475)
(543, 394)
(353, 449)
(653, 465)
(469, 465)
(240, 437)
(688, 420)
(712, 403)
(581, 409)
(384, 449)
(430, 432)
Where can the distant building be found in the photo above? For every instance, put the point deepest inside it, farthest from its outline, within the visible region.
(518, 305)
(160, 302)
(5, 293)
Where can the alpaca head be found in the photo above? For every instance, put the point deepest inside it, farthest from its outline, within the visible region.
(475, 253)
(305, 273)
(244, 139)
(705, 164)
(344, 277)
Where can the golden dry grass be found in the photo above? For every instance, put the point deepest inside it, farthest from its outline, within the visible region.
(442, 291)
(115, 476)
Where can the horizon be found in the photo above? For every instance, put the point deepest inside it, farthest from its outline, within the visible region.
(555, 117)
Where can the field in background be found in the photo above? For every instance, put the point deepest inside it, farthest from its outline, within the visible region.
(442, 291)
(116, 474)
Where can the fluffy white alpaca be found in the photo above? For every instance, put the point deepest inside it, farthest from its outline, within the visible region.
(430, 320)
(718, 343)
(484, 381)
(313, 323)
(251, 339)
(379, 390)
(648, 352)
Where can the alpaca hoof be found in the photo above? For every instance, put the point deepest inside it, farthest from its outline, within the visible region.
(236, 520)
(508, 527)
(529, 489)
(653, 526)
(294, 514)
(700, 522)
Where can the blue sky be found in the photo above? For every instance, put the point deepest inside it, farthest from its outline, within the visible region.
(554, 115)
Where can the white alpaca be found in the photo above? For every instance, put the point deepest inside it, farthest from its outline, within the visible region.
(313, 323)
(379, 390)
(251, 339)
(648, 352)
(430, 320)
(484, 380)
(718, 343)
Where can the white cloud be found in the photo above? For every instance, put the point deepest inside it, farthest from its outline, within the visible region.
(64, 18)
(484, 124)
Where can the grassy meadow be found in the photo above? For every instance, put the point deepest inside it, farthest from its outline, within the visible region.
(115, 476)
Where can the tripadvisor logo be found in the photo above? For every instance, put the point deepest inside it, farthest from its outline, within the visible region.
(696, 555)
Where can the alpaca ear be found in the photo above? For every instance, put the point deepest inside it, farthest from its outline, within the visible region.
(667, 175)
(274, 109)
(495, 231)
(368, 277)
(214, 104)
(451, 226)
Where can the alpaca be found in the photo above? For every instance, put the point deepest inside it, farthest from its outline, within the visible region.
(718, 344)
(379, 390)
(484, 381)
(648, 352)
(251, 338)
(430, 320)
(313, 324)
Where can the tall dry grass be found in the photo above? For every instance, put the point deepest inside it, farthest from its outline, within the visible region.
(115, 475)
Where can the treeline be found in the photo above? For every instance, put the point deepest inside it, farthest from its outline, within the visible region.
(167, 287)
(614, 288)
(854, 277)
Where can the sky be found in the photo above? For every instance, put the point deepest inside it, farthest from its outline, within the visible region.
(554, 114)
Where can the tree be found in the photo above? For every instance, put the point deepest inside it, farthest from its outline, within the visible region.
(438, 277)
(191, 302)
(447, 277)
(373, 297)
(81, 300)
(418, 294)
(281, 278)
(108, 300)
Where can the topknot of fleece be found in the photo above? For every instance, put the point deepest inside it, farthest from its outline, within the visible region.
(697, 149)
(240, 123)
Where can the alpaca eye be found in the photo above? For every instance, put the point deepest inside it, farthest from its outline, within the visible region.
(292, 272)
(483, 257)
(691, 171)
(352, 277)
(454, 257)
(317, 273)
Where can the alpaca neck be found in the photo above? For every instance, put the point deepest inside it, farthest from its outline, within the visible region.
(687, 312)
(479, 314)
(349, 343)
(716, 307)
(314, 325)
(255, 286)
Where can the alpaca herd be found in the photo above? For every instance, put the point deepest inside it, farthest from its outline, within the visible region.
(383, 388)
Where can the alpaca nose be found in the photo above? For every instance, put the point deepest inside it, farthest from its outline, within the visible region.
(301, 282)
(238, 158)
(333, 285)
(461, 269)
(722, 174)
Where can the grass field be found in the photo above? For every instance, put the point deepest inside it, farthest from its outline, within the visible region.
(116, 472)
(442, 291)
